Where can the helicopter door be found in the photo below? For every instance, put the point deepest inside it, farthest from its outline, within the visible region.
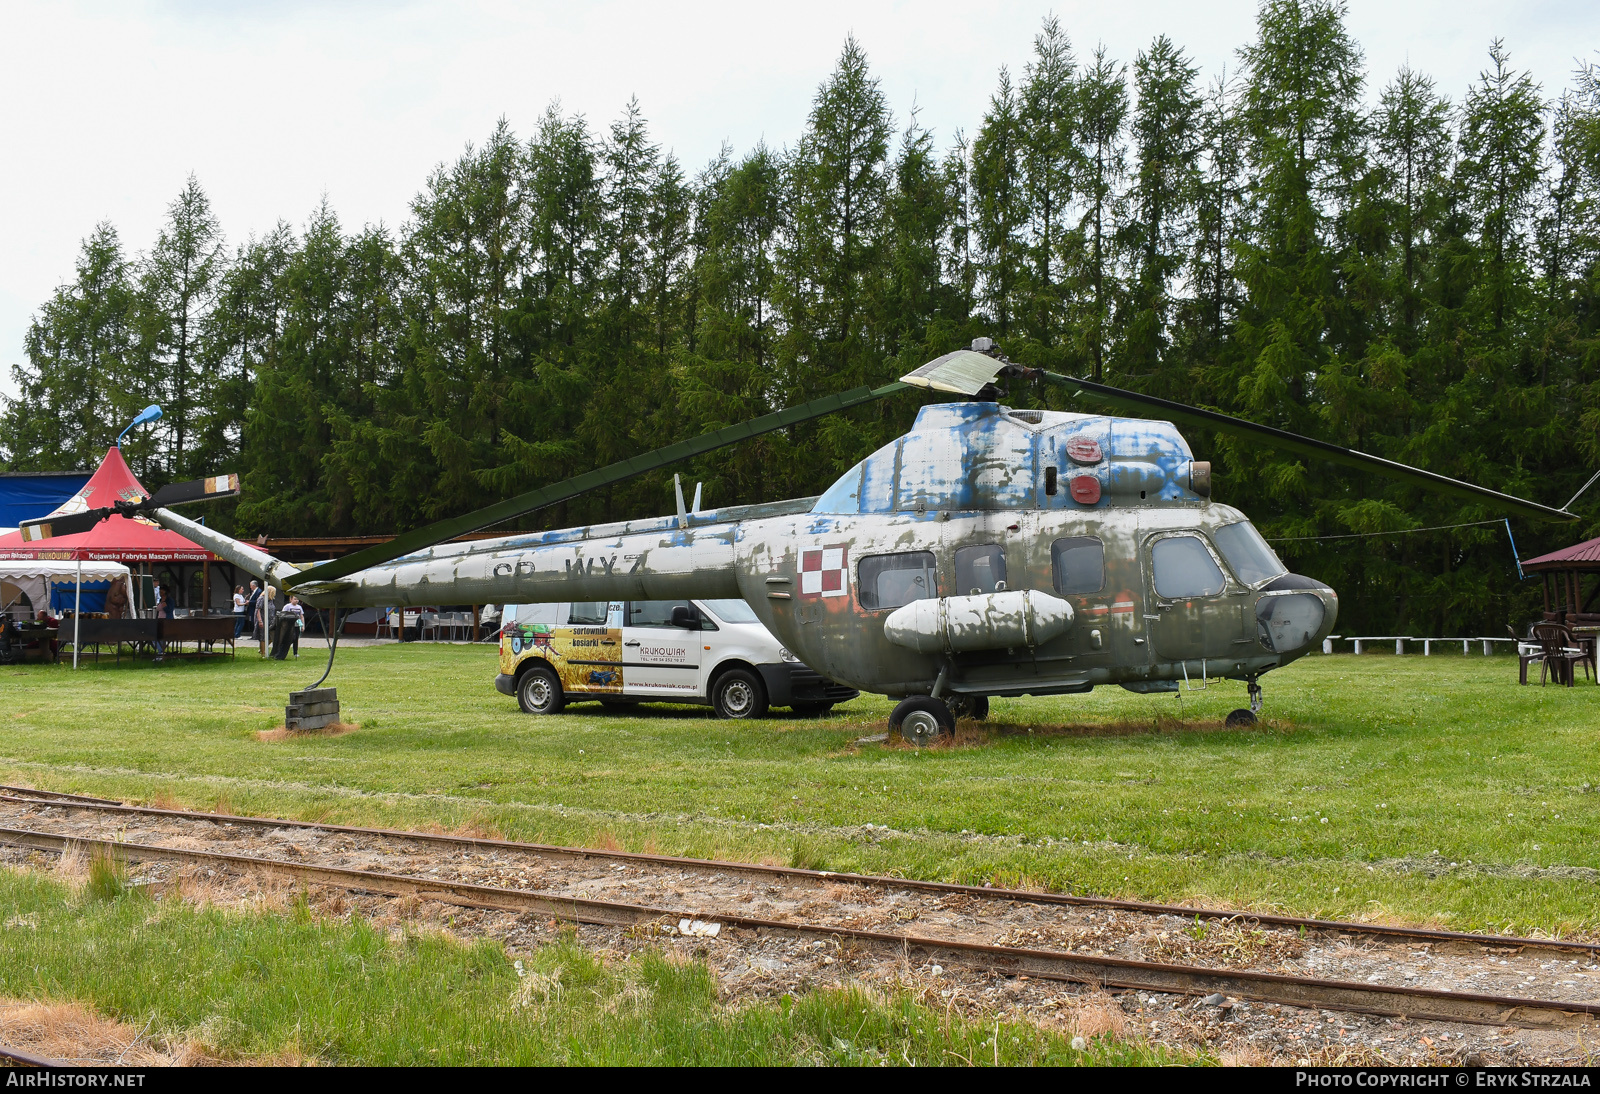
(1187, 583)
(659, 657)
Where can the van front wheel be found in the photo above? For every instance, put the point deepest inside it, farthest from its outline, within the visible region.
(539, 692)
(739, 694)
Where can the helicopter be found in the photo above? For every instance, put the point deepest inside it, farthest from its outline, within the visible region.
(988, 552)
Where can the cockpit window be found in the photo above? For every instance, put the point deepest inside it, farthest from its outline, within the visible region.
(980, 569)
(889, 581)
(1184, 568)
(1252, 560)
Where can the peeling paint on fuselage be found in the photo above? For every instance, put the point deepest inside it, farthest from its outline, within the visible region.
(966, 475)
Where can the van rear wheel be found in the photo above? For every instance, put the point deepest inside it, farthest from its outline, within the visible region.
(539, 692)
(739, 693)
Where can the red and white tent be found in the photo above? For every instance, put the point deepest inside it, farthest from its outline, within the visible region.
(115, 539)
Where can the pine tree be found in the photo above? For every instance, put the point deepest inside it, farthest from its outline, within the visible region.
(466, 254)
(1502, 137)
(1412, 152)
(840, 193)
(1206, 323)
(1000, 211)
(831, 262)
(1159, 221)
(77, 389)
(1304, 141)
(178, 281)
(1051, 163)
(1102, 117)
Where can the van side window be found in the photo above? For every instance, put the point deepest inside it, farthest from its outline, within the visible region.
(888, 581)
(588, 614)
(653, 613)
(1078, 564)
(980, 569)
(1183, 567)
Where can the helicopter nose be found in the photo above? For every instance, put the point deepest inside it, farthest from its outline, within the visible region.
(1294, 613)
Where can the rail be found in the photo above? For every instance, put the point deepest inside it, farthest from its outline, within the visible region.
(1428, 1004)
(8, 796)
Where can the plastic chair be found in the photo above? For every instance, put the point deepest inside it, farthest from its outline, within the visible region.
(1558, 654)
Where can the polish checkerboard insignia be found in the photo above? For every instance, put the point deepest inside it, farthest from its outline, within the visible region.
(822, 571)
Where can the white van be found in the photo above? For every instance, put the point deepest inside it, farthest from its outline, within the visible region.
(709, 652)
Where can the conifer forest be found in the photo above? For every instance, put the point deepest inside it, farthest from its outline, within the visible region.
(1363, 257)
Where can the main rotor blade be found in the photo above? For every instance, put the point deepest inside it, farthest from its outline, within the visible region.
(69, 525)
(440, 531)
(1305, 446)
(183, 493)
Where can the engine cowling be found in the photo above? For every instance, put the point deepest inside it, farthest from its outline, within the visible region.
(988, 621)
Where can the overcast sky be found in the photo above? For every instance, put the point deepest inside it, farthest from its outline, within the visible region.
(108, 107)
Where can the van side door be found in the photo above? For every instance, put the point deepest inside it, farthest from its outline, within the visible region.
(659, 658)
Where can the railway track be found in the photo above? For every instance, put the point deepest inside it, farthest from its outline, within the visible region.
(1098, 969)
(28, 1059)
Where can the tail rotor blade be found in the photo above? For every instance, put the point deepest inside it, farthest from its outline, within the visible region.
(1151, 406)
(68, 525)
(184, 493)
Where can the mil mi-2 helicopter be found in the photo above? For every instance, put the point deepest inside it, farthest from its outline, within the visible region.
(987, 552)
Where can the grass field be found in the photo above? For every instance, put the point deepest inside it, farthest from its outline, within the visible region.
(1429, 790)
(291, 988)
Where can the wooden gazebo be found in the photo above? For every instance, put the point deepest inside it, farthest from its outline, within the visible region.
(1564, 572)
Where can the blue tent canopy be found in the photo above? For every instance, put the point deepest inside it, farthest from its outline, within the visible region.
(29, 495)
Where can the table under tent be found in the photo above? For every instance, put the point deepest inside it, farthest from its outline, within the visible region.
(54, 588)
(201, 606)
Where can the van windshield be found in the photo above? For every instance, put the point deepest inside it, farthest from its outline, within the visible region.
(731, 611)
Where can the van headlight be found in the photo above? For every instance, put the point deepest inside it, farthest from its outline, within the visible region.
(787, 656)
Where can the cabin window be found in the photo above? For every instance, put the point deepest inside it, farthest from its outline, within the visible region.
(888, 581)
(1184, 568)
(1252, 560)
(980, 569)
(1078, 564)
(653, 613)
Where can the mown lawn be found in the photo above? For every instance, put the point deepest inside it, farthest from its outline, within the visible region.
(292, 988)
(1430, 790)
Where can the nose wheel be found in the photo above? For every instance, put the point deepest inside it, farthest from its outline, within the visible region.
(1243, 717)
(921, 720)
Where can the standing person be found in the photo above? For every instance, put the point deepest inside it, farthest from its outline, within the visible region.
(248, 619)
(117, 599)
(239, 601)
(163, 612)
(264, 614)
(287, 632)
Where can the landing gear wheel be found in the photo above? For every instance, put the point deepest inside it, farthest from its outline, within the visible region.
(739, 693)
(1240, 718)
(975, 707)
(539, 692)
(812, 710)
(921, 719)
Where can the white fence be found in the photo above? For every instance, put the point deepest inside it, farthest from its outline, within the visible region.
(1400, 641)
